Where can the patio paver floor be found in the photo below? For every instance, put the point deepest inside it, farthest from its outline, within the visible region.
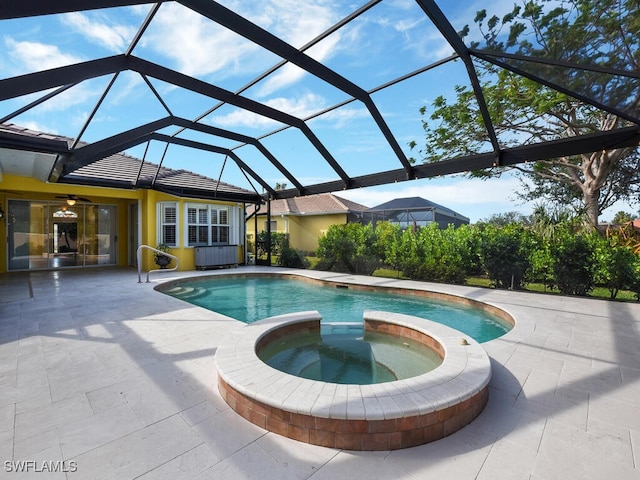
(119, 379)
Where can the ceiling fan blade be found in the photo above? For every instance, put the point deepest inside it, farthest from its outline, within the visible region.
(73, 197)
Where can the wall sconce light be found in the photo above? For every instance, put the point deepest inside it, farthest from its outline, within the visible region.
(1, 213)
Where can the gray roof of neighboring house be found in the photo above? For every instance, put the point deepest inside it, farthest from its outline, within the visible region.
(124, 171)
(415, 203)
(319, 204)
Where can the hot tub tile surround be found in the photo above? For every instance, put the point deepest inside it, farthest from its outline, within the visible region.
(383, 416)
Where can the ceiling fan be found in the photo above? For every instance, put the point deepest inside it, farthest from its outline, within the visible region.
(73, 199)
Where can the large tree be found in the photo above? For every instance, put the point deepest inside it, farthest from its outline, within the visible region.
(604, 33)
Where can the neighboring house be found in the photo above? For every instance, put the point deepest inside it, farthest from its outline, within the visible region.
(628, 233)
(304, 219)
(414, 212)
(112, 206)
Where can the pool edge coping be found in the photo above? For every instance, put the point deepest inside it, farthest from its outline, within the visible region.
(465, 371)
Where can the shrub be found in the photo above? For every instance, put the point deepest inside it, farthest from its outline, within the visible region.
(506, 255)
(541, 262)
(616, 266)
(292, 258)
(388, 238)
(438, 255)
(278, 242)
(350, 248)
(574, 265)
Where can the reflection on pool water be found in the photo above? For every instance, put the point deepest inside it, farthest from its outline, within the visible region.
(251, 298)
(348, 358)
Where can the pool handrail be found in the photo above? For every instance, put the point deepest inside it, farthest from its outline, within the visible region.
(139, 261)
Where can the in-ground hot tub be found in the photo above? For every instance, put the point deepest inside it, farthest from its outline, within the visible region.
(346, 353)
(382, 416)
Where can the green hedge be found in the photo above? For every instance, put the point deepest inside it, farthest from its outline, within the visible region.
(510, 256)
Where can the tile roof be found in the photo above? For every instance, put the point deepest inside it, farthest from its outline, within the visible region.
(122, 170)
(12, 128)
(322, 203)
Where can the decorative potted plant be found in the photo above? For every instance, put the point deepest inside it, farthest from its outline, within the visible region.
(160, 259)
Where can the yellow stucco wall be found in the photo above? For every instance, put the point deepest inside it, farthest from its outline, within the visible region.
(29, 189)
(303, 230)
(185, 255)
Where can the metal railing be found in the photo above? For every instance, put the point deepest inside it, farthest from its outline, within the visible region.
(139, 260)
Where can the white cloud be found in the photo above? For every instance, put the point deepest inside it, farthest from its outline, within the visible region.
(244, 118)
(75, 96)
(115, 38)
(290, 74)
(294, 21)
(199, 46)
(196, 44)
(298, 23)
(38, 127)
(300, 107)
(126, 86)
(75, 101)
(408, 23)
(408, 30)
(341, 117)
(286, 75)
(35, 56)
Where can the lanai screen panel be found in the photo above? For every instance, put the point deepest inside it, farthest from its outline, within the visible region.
(289, 93)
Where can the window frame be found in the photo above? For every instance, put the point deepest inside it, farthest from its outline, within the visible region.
(273, 223)
(162, 207)
(210, 224)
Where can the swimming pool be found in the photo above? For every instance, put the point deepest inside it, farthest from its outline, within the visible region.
(249, 298)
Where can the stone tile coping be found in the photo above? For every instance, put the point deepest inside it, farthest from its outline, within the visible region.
(463, 374)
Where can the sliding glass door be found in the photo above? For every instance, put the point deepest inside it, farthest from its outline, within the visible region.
(56, 235)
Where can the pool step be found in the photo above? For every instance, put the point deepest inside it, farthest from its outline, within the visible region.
(187, 292)
(335, 328)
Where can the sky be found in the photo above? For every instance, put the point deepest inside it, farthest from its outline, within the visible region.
(389, 40)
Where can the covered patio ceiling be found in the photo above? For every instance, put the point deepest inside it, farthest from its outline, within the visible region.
(265, 70)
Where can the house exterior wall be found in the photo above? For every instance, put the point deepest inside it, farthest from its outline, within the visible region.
(304, 230)
(29, 189)
(185, 254)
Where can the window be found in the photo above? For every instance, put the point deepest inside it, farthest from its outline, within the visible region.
(207, 225)
(198, 225)
(273, 224)
(168, 234)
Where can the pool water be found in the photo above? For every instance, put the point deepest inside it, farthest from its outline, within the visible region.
(249, 299)
(348, 359)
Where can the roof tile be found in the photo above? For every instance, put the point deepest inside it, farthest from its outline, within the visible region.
(318, 204)
(125, 168)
